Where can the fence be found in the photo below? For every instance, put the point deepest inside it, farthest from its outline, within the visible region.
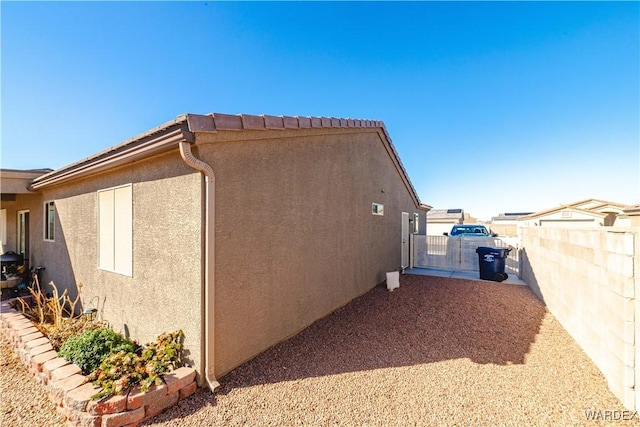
(459, 253)
(589, 280)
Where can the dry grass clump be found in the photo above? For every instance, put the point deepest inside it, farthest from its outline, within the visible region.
(69, 328)
(54, 315)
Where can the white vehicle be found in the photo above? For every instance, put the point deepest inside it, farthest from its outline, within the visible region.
(475, 230)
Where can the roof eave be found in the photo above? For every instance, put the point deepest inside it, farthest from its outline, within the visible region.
(156, 141)
(632, 210)
(561, 208)
(166, 136)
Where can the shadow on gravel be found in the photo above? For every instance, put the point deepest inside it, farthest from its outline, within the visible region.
(428, 319)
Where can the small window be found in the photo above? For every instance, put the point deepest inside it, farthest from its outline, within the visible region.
(377, 209)
(416, 223)
(49, 221)
(23, 233)
(566, 214)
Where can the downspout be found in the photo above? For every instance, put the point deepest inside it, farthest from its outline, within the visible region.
(208, 327)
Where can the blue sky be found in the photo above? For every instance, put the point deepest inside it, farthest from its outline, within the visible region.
(493, 107)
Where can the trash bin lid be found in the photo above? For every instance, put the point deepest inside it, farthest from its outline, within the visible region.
(484, 249)
(501, 252)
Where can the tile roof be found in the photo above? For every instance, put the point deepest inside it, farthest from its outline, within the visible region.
(510, 216)
(561, 208)
(217, 121)
(596, 203)
(214, 122)
(186, 125)
(445, 214)
(578, 207)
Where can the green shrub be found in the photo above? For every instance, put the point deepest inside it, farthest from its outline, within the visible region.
(89, 349)
(121, 371)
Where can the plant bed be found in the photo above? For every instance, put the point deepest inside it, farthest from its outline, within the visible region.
(54, 315)
(86, 404)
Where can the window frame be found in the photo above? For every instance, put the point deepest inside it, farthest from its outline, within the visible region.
(115, 251)
(22, 230)
(3, 226)
(49, 221)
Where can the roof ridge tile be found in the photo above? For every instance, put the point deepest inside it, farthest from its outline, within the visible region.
(227, 121)
(273, 122)
(304, 122)
(290, 122)
(252, 122)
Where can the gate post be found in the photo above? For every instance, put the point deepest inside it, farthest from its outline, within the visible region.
(412, 252)
(636, 319)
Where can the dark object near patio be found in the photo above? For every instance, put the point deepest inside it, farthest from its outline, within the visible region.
(10, 262)
(12, 257)
(492, 263)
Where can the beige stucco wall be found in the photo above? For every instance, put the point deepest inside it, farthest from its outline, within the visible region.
(575, 219)
(164, 292)
(503, 228)
(295, 236)
(34, 204)
(588, 279)
(16, 196)
(9, 243)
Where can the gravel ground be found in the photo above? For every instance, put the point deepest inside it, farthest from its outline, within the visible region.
(23, 401)
(436, 351)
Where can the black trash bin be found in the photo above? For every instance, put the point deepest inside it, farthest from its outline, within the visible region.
(492, 261)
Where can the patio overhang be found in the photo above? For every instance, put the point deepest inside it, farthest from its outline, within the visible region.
(16, 181)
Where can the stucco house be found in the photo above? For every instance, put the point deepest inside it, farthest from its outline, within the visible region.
(633, 213)
(505, 224)
(583, 213)
(440, 221)
(241, 230)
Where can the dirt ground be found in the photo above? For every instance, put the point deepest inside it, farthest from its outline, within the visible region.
(435, 351)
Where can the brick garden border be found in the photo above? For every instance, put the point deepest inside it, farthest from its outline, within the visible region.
(67, 387)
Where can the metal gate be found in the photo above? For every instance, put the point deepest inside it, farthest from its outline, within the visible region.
(458, 253)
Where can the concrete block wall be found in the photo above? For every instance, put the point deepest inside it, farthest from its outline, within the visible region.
(590, 280)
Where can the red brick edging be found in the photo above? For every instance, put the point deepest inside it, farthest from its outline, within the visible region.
(67, 388)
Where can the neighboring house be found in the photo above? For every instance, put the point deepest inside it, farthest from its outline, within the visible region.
(584, 213)
(505, 224)
(468, 219)
(440, 221)
(615, 212)
(241, 230)
(633, 213)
